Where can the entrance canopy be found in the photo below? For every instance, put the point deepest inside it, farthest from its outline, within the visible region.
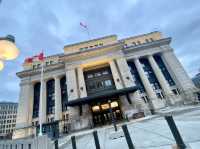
(103, 96)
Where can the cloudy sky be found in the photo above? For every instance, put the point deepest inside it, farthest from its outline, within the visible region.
(49, 25)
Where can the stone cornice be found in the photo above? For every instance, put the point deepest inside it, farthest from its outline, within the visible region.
(31, 72)
(91, 52)
(154, 44)
(88, 41)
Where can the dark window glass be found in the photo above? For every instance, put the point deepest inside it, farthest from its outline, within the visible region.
(64, 96)
(150, 74)
(36, 98)
(164, 70)
(98, 80)
(50, 96)
(136, 76)
(29, 146)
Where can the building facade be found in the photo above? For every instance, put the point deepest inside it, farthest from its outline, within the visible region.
(95, 81)
(8, 114)
(196, 80)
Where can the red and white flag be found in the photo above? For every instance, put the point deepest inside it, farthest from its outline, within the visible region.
(39, 57)
(83, 25)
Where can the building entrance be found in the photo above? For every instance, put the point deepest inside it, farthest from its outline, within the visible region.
(103, 112)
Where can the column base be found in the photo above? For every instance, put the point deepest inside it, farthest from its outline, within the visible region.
(157, 104)
(20, 133)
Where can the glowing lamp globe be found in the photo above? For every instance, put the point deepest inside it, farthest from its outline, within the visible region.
(1, 65)
(8, 49)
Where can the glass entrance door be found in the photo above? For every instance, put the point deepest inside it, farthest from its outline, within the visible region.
(102, 115)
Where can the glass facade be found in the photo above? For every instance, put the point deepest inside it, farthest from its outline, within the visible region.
(64, 96)
(36, 100)
(136, 76)
(164, 70)
(51, 97)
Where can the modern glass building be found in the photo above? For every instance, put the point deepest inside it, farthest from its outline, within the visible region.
(8, 114)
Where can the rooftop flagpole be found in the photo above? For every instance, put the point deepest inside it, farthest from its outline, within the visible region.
(86, 28)
(41, 58)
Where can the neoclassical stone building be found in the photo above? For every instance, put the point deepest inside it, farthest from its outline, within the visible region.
(95, 80)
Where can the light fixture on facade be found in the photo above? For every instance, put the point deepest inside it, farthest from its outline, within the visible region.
(95, 108)
(114, 104)
(105, 106)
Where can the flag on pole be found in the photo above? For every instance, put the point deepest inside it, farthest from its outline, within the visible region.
(39, 57)
(83, 25)
(86, 28)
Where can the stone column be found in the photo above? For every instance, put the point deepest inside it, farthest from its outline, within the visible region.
(43, 102)
(125, 72)
(72, 91)
(81, 81)
(161, 79)
(116, 76)
(24, 113)
(86, 116)
(72, 88)
(58, 103)
(179, 75)
(150, 92)
(137, 103)
(31, 102)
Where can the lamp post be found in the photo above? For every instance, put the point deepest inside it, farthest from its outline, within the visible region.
(112, 115)
(8, 49)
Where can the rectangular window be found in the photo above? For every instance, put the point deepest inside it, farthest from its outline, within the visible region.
(108, 83)
(98, 74)
(29, 146)
(105, 72)
(90, 76)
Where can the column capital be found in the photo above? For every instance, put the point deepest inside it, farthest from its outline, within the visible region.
(136, 59)
(25, 83)
(56, 77)
(149, 55)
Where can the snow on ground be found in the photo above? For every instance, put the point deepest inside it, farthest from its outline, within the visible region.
(147, 134)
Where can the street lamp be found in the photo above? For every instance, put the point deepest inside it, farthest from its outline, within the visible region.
(8, 49)
(1, 65)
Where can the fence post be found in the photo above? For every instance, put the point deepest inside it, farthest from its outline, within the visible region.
(56, 144)
(179, 141)
(96, 140)
(73, 142)
(128, 137)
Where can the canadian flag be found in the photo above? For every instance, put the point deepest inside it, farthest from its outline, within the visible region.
(39, 57)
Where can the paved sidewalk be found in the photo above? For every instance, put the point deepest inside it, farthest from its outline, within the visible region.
(151, 132)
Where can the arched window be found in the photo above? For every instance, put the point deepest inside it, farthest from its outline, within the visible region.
(36, 100)
(64, 96)
(51, 96)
